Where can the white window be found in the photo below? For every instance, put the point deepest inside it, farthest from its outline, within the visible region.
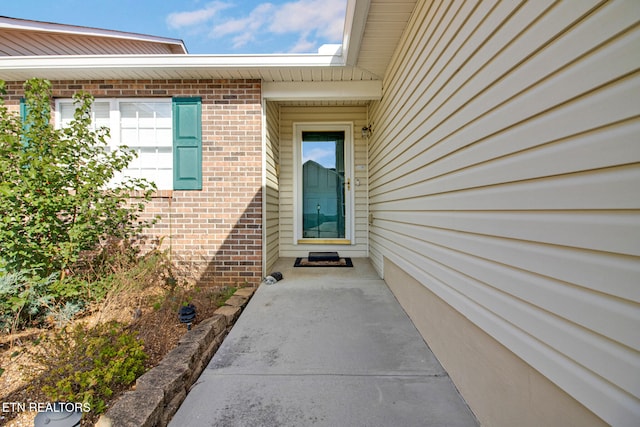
(144, 125)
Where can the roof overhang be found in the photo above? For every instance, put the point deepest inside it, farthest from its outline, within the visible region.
(177, 46)
(322, 91)
(330, 74)
(354, 24)
(161, 66)
(123, 62)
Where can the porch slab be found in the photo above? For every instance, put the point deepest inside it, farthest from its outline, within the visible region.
(324, 347)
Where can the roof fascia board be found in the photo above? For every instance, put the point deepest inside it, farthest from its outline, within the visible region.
(22, 24)
(79, 62)
(322, 91)
(354, 24)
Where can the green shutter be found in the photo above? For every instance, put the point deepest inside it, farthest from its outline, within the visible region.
(23, 109)
(25, 126)
(23, 114)
(27, 122)
(187, 144)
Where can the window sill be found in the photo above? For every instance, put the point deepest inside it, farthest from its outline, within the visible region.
(158, 194)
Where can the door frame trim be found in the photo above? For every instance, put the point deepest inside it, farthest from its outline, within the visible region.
(347, 128)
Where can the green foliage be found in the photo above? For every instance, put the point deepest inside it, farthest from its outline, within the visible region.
(24, 299)
(224, 295)
(27, 300)
(89, 365)
(58, 193)
(59, 199)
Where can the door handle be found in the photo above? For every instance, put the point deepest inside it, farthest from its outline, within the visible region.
(348, 184)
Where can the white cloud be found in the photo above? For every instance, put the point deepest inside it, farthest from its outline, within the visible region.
(326, 17)
(246, 29)
(315, 22)
(189, 19)
(303, 45)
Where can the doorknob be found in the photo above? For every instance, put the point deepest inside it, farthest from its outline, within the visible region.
(348, 184)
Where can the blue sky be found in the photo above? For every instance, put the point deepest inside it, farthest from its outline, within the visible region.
(206, 27)
(322, 152)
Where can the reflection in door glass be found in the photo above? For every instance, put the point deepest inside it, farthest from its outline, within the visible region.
(323, 198)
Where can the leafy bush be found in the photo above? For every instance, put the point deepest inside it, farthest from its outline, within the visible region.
(89, 365)
(115, 272)
(58, 193)
(59, 200)
(24, 299)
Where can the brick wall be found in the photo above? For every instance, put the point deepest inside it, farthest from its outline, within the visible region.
(216, 231)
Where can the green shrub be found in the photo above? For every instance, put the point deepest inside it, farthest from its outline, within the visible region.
(88, 365)
(24, 300)
(58, 201)
(29, 301)
(58, 197)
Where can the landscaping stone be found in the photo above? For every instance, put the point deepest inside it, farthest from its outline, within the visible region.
(172, 407)
(213, 347)
(237, 301)
(184, 354)
(215, 325)
(160, 392)
(206, 357)
(231, 313)
(167, 378)
(245, 292)
(135, 409)
(219, 324)
(203, 333)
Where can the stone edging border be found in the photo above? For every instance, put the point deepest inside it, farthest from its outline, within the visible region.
(159, 392)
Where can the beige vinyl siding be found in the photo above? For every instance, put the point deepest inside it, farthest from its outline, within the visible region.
(295, 114)
(504, 177)
(272, 186)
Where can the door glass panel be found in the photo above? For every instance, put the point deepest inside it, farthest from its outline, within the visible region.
(323, 192)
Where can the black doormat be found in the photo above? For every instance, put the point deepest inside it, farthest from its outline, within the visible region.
(342, 262)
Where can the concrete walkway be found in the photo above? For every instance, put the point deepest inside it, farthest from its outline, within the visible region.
(324, 347)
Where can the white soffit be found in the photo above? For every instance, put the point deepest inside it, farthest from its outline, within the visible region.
(312, 67)
(321, 91)
(376, 29)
